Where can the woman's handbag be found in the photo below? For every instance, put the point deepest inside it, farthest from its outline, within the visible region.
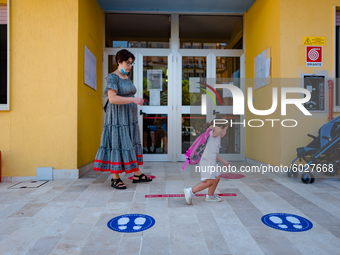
(104, 108)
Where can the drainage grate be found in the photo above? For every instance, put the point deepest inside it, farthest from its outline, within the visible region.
(31, 184)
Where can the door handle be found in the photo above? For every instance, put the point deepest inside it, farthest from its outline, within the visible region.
(141, 112)
(214, 112)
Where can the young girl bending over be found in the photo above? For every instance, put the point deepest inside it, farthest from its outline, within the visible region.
(209, 175)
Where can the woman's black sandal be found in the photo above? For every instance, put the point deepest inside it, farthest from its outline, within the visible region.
(141, 179)
(114, 184)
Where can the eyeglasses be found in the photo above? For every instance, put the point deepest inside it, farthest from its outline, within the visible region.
(129, 63)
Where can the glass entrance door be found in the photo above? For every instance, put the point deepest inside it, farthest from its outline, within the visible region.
(150, 76)
(154, 113)
(209, 69)
(171, 117)
(228, 71)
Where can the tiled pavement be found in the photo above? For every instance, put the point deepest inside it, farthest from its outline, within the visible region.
(70, 217)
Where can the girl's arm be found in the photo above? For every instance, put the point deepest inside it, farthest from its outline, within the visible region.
(114, 99)
(222, 160)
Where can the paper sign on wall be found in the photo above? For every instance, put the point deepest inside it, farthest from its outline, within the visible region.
(90, 69)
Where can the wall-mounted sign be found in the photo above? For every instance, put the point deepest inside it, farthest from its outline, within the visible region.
(314, 56)
(315, 84)
(90, 71)
(314, 40)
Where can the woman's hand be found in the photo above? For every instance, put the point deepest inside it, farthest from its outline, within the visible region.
(138, 101)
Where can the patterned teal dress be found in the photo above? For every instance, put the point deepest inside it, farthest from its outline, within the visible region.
(120, 147)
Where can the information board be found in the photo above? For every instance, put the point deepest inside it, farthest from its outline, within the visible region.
(315, 84)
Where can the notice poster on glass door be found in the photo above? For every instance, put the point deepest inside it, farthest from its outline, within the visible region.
(155, 98)
(154, 79)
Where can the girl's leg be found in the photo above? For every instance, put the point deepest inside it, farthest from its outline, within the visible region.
(203, 185)
(212, 188)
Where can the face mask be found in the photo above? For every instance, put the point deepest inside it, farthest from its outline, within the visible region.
(123, 71)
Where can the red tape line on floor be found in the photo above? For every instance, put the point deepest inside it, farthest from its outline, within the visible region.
(197, 195)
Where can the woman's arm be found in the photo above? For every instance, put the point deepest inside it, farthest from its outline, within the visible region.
(114, 99)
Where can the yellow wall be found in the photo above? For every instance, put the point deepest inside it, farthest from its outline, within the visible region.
(317, 19)
(282, 25)
(40, 130)
(89, 101)
(3, 1)
(262, 30)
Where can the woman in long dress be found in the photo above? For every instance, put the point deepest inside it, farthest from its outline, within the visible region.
(120, 148)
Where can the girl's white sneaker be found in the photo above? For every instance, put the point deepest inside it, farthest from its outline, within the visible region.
(213, 198)
(188, 195)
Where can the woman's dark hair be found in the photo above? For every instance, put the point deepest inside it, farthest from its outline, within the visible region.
(124, 55)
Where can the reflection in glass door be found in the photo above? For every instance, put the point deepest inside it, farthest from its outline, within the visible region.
(210, 70)
(194, 70)
(228, 72)
(155, 108)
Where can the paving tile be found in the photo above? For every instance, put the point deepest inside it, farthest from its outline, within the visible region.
(161, 227)
(99, 199)
(328, 198)
(137, 208)
(156, 239)
(185, 215)
(207, 222)
(77, 188)
(186, 233)
(122, 197)
(183, 248)
(102, 236)
(216, 243)
(258, 187)
(89, 250)
(8, 211)
(139, 197)
(155, 249)
(67, 197)
(272, 241)
(176, 202)
(60, 227)
(237, 236)
(44, 245)
(74, 238)
(89, 215)
(250, 217)
(200, 206)
(129, 246)
(117, 208)
(10, 225)
(28, 210)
